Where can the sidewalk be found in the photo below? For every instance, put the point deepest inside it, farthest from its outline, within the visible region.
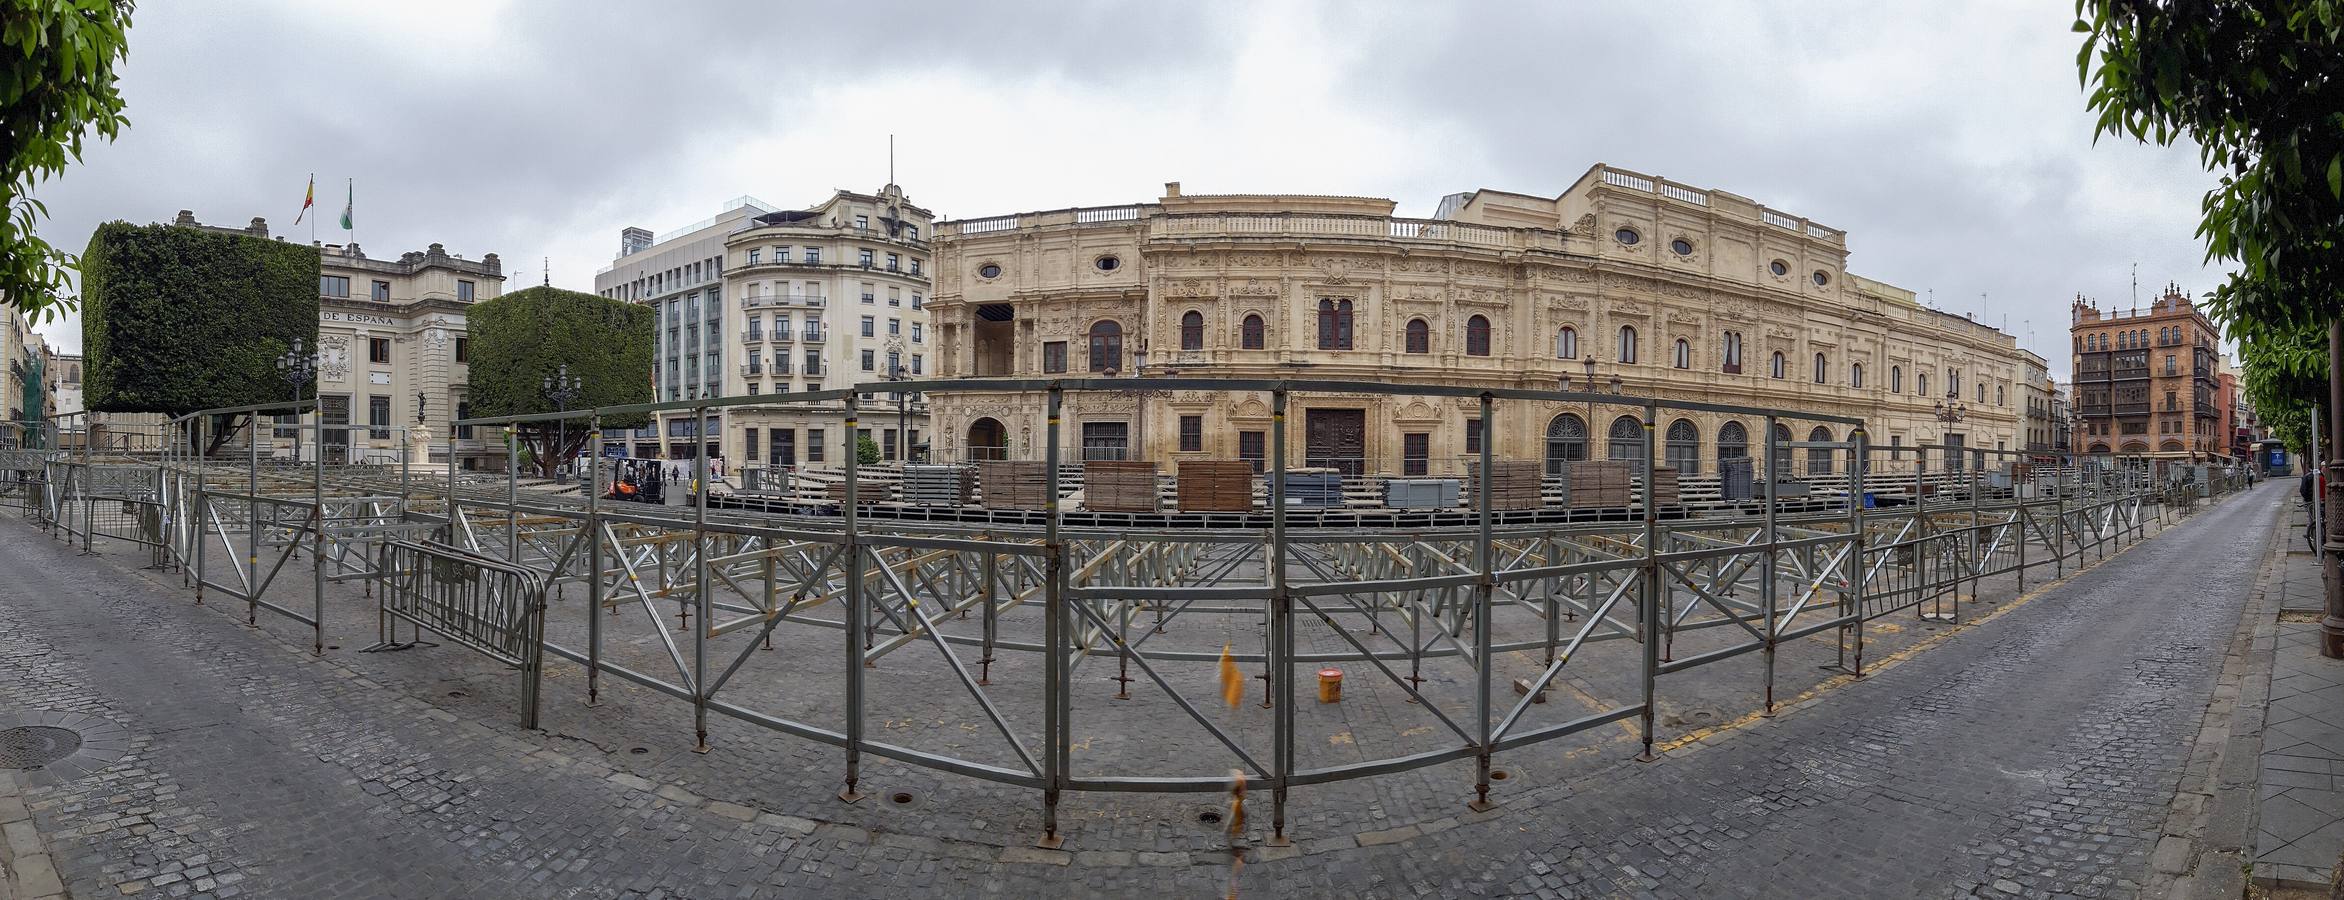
(2300, 799)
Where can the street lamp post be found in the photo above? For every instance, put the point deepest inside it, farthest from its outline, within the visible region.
(298, 368)
(561, 388)
(903, 440)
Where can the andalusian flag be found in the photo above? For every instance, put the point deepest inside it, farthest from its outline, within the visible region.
(348, 201)
(308, 199)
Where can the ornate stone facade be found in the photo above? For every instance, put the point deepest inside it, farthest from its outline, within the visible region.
(1676, 292)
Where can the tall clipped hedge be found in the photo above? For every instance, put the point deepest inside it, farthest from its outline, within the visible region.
(177, 319)
(522, 338)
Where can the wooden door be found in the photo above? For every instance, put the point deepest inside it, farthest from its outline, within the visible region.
(1336, 439)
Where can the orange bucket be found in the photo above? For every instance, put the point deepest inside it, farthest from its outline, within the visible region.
(1330, 685)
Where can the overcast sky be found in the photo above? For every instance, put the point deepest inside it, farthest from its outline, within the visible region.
(1949, 140)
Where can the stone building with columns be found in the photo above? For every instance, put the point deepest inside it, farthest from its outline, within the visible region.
(1626, 281)
(392, 354)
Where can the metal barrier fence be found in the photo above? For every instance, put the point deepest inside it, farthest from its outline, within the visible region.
(1471, 618)
(493, 607)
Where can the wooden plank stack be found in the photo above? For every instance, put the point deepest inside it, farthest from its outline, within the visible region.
(1119, 486)
(1014, 484)
(1664, 485)
(1601, 484)
(1215, 486)
(1513, 484)
(926, 485)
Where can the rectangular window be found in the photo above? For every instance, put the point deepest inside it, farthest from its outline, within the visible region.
(813, 258)
(464, 291)
(870, 326)
(862, 223)
(753, 256)
(1415, 454)
(784, 447)
(870, 293)
(915, 364)
(378, 415)
(334, 286)
(464, 350)
(286, 426)
(749, 441)
(870, 361)
(814, 446)
(378, 350)
(1192, 434)
(463, 411)
(1106, 440)
(915, 265)
(887, 444)
(915, 301)
(895, 296)
(813, 362)
(894, 262)
(382, 291)
(916, 332)
(1054, 356)
(894, 326)
(1249, 448)
(1472, 435)
(864, 257)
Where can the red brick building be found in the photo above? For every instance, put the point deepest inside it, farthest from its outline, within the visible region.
(2149, 380)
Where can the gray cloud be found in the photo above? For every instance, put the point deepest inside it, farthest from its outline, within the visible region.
(1950, 142)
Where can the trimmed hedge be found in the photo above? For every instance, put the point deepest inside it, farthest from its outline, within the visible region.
(521, 338)
(178, 319)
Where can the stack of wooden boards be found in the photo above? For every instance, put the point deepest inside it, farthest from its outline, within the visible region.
(1215, 486)
(1601, 484)
(1013, 484)
(1119, 486)
(927, 485)
(1513, 484)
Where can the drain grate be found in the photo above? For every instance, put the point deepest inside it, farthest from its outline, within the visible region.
(34, 746)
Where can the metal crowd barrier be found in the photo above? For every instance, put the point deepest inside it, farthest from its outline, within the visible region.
(492, 607)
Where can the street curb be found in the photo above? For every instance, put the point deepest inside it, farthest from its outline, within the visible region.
(27, 870)
(2214, 810)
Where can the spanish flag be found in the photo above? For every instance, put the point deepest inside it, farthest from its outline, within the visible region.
(308, 199)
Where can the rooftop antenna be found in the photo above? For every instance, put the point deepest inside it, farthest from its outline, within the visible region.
(545, 267)
(891, 159)
(2136, 284)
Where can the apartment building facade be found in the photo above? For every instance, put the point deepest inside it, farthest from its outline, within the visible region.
(2148, 381)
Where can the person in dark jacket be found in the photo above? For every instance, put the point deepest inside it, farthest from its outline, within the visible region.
(2310, 524)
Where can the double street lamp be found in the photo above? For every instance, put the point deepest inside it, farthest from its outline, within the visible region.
(300, 368)
(561, 388)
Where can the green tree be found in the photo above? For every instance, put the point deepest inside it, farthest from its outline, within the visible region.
(866, 450)
(178, 319)
(57, 86)
(523, 338)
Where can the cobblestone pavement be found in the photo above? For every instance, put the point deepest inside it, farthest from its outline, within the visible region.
(2032, 754)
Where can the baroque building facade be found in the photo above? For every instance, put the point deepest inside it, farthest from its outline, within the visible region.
(766, 301)
(1623, 282)
(2148, 381)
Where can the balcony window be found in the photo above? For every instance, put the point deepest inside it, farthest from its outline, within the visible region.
(1106, 345)
(1054, 356)
(1334, 324)
(1566, 343)
(753, 256)
(1477, 336)
(1682, 356)
(1627, 353)
(1249, 335)
(1192, 330)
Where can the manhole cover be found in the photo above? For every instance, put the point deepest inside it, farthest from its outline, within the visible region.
(34, 746)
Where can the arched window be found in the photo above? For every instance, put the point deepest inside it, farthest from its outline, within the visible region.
(1781, 463)
(2000, 398)
(1419, 336)
(1250, 334)
(1566, 441)
(1627, 343)
(1921, 384)
(1334, 324)
(1627, 438)
(1192, 330)
(1896, 379)
(1683, 356)
(1477, 336)
(1106, 345)
(1733, 353)
(1733, 442)
(1856, 375)
(1822, 369)
(1819, 458)
(1775, 367)
(1953, 382)
(1684, 447)
(1567, 343)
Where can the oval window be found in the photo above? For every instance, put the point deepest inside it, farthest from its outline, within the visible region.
(1821, 279)
(1780, 268)
(1107, 263)
(1627, 236)
(1681, 246)
(989, 270)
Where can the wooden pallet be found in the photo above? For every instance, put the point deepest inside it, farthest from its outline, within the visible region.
(1215, 486)
(1119, 486)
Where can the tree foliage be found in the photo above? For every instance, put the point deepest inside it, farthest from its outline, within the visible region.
(866, 450)
(2258, 85)
(178, 319)
(57, 85)
(523, 338)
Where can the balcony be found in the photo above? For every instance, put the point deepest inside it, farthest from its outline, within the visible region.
(2091, 411)
(752, 369)
(2132, 409)
(2132, 373)
(813, 335)
(763, 300)
(753, 336)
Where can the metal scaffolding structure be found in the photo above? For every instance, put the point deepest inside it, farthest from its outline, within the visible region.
(1469, 621)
